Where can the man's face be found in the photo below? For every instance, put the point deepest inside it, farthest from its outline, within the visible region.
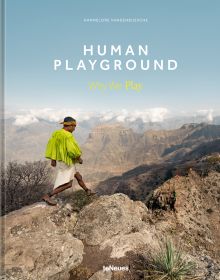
(72, 127)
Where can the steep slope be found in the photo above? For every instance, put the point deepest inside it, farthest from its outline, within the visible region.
(140, 181)
(109, 148)
(112, 150)
(197, 209)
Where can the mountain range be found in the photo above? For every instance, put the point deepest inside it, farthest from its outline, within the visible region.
(112, 149)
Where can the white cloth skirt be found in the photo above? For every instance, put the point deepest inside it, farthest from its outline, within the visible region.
(65, 174)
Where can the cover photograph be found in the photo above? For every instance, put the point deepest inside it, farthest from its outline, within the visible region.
(110, 140)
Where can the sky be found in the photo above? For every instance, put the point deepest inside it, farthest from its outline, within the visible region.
(39, 31)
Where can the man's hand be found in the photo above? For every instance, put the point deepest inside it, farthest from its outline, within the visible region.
(53, 163)
(80, 161)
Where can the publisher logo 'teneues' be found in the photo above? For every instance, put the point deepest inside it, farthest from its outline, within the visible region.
(115, 268)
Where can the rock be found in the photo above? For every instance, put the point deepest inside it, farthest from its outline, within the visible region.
(101, 275)
(38, 243)
(115, 221)
(58, 243)
(123, 243)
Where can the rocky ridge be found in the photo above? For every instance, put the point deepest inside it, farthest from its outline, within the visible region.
(139, 182)
(70, 243)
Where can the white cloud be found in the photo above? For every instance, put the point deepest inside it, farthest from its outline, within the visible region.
(23, 120)
(53, 115)
(26, 117)
(107, 115)
(206, 114)
(123, 115)
(159, 114)
(151, 115)
(147, 115)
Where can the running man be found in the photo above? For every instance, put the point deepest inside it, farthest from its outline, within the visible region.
(64, 152)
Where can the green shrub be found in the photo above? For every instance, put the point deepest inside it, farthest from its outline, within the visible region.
(169, 264)
(78, 199)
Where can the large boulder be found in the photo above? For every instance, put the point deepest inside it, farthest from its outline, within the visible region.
(115, 221)
(38, 244)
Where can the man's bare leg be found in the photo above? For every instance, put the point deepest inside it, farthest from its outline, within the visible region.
(47, 197)
(80, 181)
(61, 188)
(78, 176)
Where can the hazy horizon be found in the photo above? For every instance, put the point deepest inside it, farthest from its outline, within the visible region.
(26, 117)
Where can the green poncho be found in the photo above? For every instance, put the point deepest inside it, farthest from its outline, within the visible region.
(62, 146)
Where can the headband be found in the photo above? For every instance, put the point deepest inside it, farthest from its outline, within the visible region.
(69, 123)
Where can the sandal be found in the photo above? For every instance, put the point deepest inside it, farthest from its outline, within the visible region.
(48, 200)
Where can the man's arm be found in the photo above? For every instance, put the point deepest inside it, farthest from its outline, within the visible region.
(73, 149)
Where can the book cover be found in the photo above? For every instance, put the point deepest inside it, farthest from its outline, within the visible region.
(111, 139)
